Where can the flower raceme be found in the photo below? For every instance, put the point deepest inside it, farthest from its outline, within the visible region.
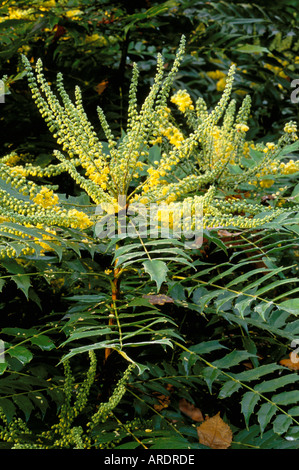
(201, 161)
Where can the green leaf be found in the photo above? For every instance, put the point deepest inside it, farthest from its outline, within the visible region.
(293, 433)
(285, 398)
(19, 277)
(24, 404)
(242, 305)
(229, 388)
(232, 359)
(172, 442)
(114, 345)
(234, 169)
(282, 423)
(206, 347)
(274, 384)
(294, 411)
(202, 299)
(249, 400)
(21, 353)
(257, 372)
(3, 367)
(15, 331)
(43, 341)
(289, 148)
(291, 306)
(2, 283)
(215, 239)
(265, 414)
(87, 332)
(210, 374)
(245, 276)
(40, 401)
(23, 282)
(262, 308)
(157, 270)
(250, 346)
(251, 49)
(295, 195)
(8, 408)
(256, 155)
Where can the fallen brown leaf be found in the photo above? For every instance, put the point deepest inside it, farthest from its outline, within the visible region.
(190, 410)
(291, 363)
(100, 87)
(215, 433)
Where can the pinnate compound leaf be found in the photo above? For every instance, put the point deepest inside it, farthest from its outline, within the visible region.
(215, 433)
(157, 270)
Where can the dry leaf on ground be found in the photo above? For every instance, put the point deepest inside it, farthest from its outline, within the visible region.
(190, 410)
(292, 363)
(215, 433)
(100, 87)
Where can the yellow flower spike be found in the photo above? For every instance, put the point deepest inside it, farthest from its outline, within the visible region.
(191, 162)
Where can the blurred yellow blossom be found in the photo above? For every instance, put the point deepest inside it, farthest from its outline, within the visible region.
(220, 85)
(182, 100)
(73, 14)
(46, 198)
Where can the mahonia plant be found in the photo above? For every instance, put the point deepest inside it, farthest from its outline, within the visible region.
(204, 163)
